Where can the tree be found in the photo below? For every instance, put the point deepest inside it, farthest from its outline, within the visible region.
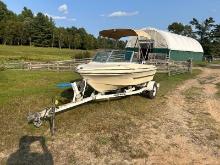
(181, 29)
(18, 33)
(203, 29)
(77, 41)
(204, 32)
(188, 31)
(26, 13)
(28, 31)
(88, 42)
(26, 17)
(83, 35)
(216, 33)
(9, 32)
(177, 28)
(121, 44)
(3, 11)
(5, 16)
(216, 41)
(59, 33)
(42, 30)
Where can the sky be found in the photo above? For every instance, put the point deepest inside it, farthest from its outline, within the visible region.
(96, 15)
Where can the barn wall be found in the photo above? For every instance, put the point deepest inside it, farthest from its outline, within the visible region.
(161, 50)
(132, 49)
(183, 56)
(179, 55)
(175, 54)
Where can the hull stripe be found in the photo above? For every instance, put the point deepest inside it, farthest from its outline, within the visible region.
(143, 76)
(104, 73)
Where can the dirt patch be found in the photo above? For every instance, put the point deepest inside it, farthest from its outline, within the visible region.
(193, 124)
(210, 89)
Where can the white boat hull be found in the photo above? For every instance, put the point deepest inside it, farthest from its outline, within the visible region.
(111, 76)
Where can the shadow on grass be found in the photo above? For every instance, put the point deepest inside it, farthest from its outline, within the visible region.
(25, 155)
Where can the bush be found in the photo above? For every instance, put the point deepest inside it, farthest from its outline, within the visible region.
(81, 55)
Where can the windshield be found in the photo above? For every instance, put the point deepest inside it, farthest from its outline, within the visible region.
(120, 56)
(101, 56)
(114, 56)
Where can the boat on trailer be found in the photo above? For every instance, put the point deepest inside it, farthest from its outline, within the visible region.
(115, 72)
(111, 74)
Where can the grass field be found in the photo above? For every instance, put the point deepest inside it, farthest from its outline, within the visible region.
(24, 91)
(26, 53)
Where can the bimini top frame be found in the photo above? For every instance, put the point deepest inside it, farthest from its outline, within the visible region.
(119, 33)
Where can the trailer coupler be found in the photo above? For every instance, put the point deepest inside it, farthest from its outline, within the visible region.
(36, 117)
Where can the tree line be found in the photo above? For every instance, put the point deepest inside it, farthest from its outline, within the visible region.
(40, 30)
(207, 32)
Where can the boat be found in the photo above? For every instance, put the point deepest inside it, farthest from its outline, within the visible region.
(113, 70)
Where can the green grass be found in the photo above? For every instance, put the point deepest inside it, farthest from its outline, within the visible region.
(200, 64)
(14, 84)
(204, 63)
(26, 53)
(24, 91)
(168, 83)
(216, 62)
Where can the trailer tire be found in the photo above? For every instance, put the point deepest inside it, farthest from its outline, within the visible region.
(152, 93)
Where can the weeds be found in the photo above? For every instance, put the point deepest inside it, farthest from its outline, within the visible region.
(83, 54)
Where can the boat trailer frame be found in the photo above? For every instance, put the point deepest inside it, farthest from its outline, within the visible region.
(78, 99)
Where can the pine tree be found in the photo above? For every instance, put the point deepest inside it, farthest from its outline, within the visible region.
(42, 30)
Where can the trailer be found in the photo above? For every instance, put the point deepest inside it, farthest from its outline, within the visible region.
(148, 89)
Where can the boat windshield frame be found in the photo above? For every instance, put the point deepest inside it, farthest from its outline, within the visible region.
(115, 56)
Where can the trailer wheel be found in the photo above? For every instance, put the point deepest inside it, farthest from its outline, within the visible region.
(152, 93)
